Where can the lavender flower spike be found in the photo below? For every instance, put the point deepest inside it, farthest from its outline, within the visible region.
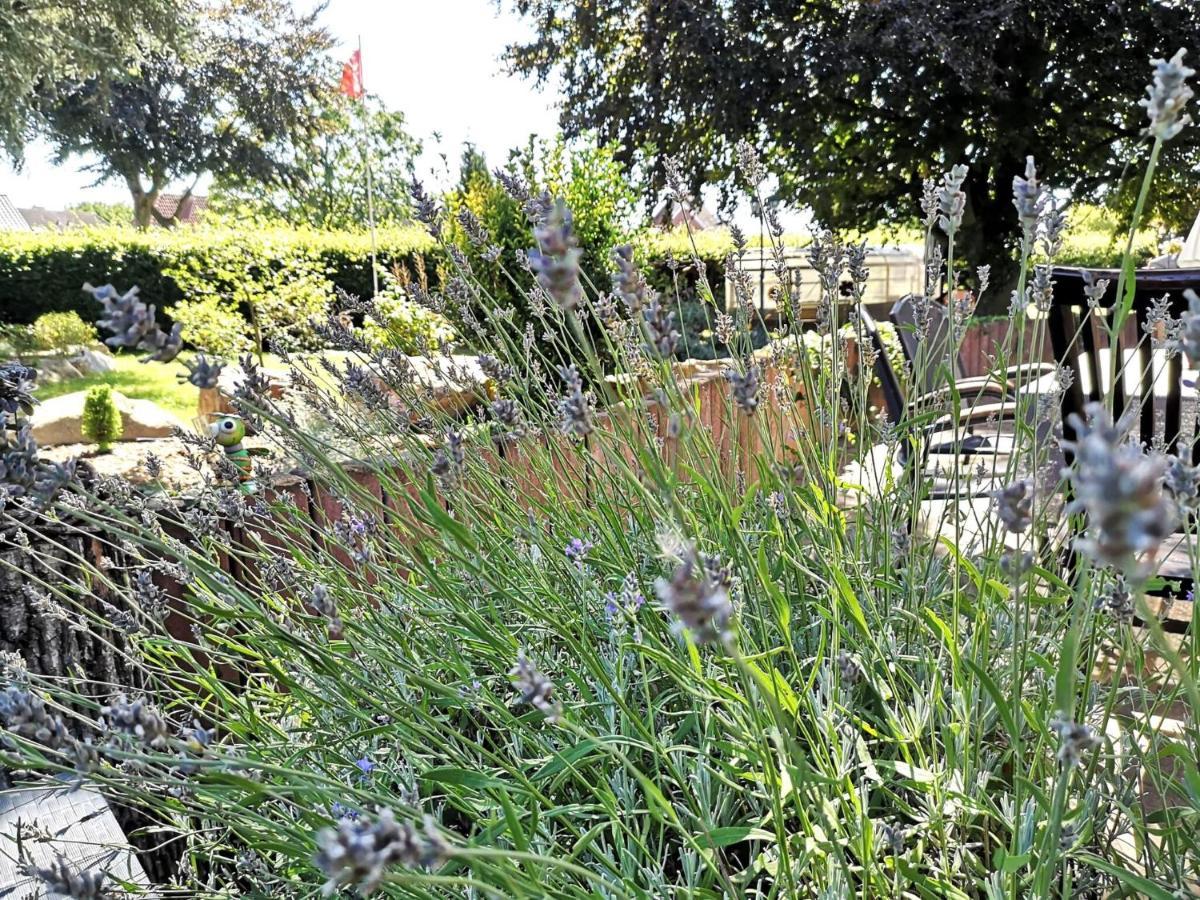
(358, 851)
(1014, 506)
(203, 372)
(699, 601)
(555, 262)
(1188, 339)
(1167, 97)
(1120, 488)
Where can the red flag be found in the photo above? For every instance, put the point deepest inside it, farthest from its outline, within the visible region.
(352, 80)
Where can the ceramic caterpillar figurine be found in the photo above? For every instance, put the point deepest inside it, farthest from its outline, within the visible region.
(229, 431)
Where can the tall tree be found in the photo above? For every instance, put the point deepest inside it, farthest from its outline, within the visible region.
(232, 100)
(329, 189)
(854, 102)
(45, 42)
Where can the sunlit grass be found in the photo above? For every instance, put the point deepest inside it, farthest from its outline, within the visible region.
(157, 382)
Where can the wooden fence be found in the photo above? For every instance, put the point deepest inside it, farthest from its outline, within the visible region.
(77, 632)
(52, 642)
(985, 338)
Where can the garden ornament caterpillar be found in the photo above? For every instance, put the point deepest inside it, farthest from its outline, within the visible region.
(229, 431)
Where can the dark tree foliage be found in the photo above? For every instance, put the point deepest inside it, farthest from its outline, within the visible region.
(43, 42)
(232, 100)
(852, 104)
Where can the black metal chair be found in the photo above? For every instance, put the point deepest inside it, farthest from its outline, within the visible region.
(924, 354)
(943, 435)
(900, 407)
(1149, 381)
(962, 460)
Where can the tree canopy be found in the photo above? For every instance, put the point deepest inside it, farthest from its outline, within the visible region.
(852, 104)
(329, 185)
(232, 98)
(43, 43)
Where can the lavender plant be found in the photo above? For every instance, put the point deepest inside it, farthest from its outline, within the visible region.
(643, 632)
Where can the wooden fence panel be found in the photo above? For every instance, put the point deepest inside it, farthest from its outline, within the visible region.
(983, 341)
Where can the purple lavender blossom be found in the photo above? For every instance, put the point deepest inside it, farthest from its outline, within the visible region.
(577, 549)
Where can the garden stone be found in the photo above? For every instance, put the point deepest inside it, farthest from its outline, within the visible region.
(58, 420)
(53, 369)
(80, 363)
(93, 362)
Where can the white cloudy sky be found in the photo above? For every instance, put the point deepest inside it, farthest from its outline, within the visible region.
(436, 60)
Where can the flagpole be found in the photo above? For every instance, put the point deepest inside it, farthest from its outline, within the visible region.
(370, 186)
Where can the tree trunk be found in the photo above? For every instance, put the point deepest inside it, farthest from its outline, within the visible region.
(988, 235)
(145, 211)
(143, 203)
(62, 637)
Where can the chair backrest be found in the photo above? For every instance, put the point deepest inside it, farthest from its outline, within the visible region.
(1150, 380)
(925, 356)
(893, 393)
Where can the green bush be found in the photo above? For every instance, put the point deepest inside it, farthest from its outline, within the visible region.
(1095, 238)
(61, 331)
(588, 178)
(101, 423)
(400, 323)
(43, 271)
(280, 289)
(214, 325)
(16, 339)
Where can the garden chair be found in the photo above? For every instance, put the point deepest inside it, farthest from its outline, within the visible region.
(935, 346)
(939, 435)
(1155, 388)
(86, 836)
(980, 441)
(941, 444)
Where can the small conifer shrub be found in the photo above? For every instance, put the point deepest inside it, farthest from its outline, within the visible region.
(101, 423)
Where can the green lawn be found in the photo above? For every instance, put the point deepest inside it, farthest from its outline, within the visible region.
(142, 381)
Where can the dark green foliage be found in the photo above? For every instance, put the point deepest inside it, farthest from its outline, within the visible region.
(850, 103)
(70, 39)
(44, 271)
(101, 423)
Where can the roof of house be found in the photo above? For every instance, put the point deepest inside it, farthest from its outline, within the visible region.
(175, 206)
(40, 217)
(10, 218)
(671, 215)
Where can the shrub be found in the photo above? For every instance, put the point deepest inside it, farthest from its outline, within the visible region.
(62, 331)
(398, 322)
(1096, 238)
(213, 325)
(586, 177)
(279, 292)
(101, 422)
(16, 340)
(43, 271)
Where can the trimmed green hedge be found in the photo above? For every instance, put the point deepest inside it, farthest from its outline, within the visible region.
(43, 271)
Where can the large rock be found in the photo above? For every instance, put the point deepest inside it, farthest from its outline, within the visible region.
(58, 420)
(455, 382)
(81, 363)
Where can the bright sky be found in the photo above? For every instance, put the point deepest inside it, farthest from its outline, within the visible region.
(437, 61)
